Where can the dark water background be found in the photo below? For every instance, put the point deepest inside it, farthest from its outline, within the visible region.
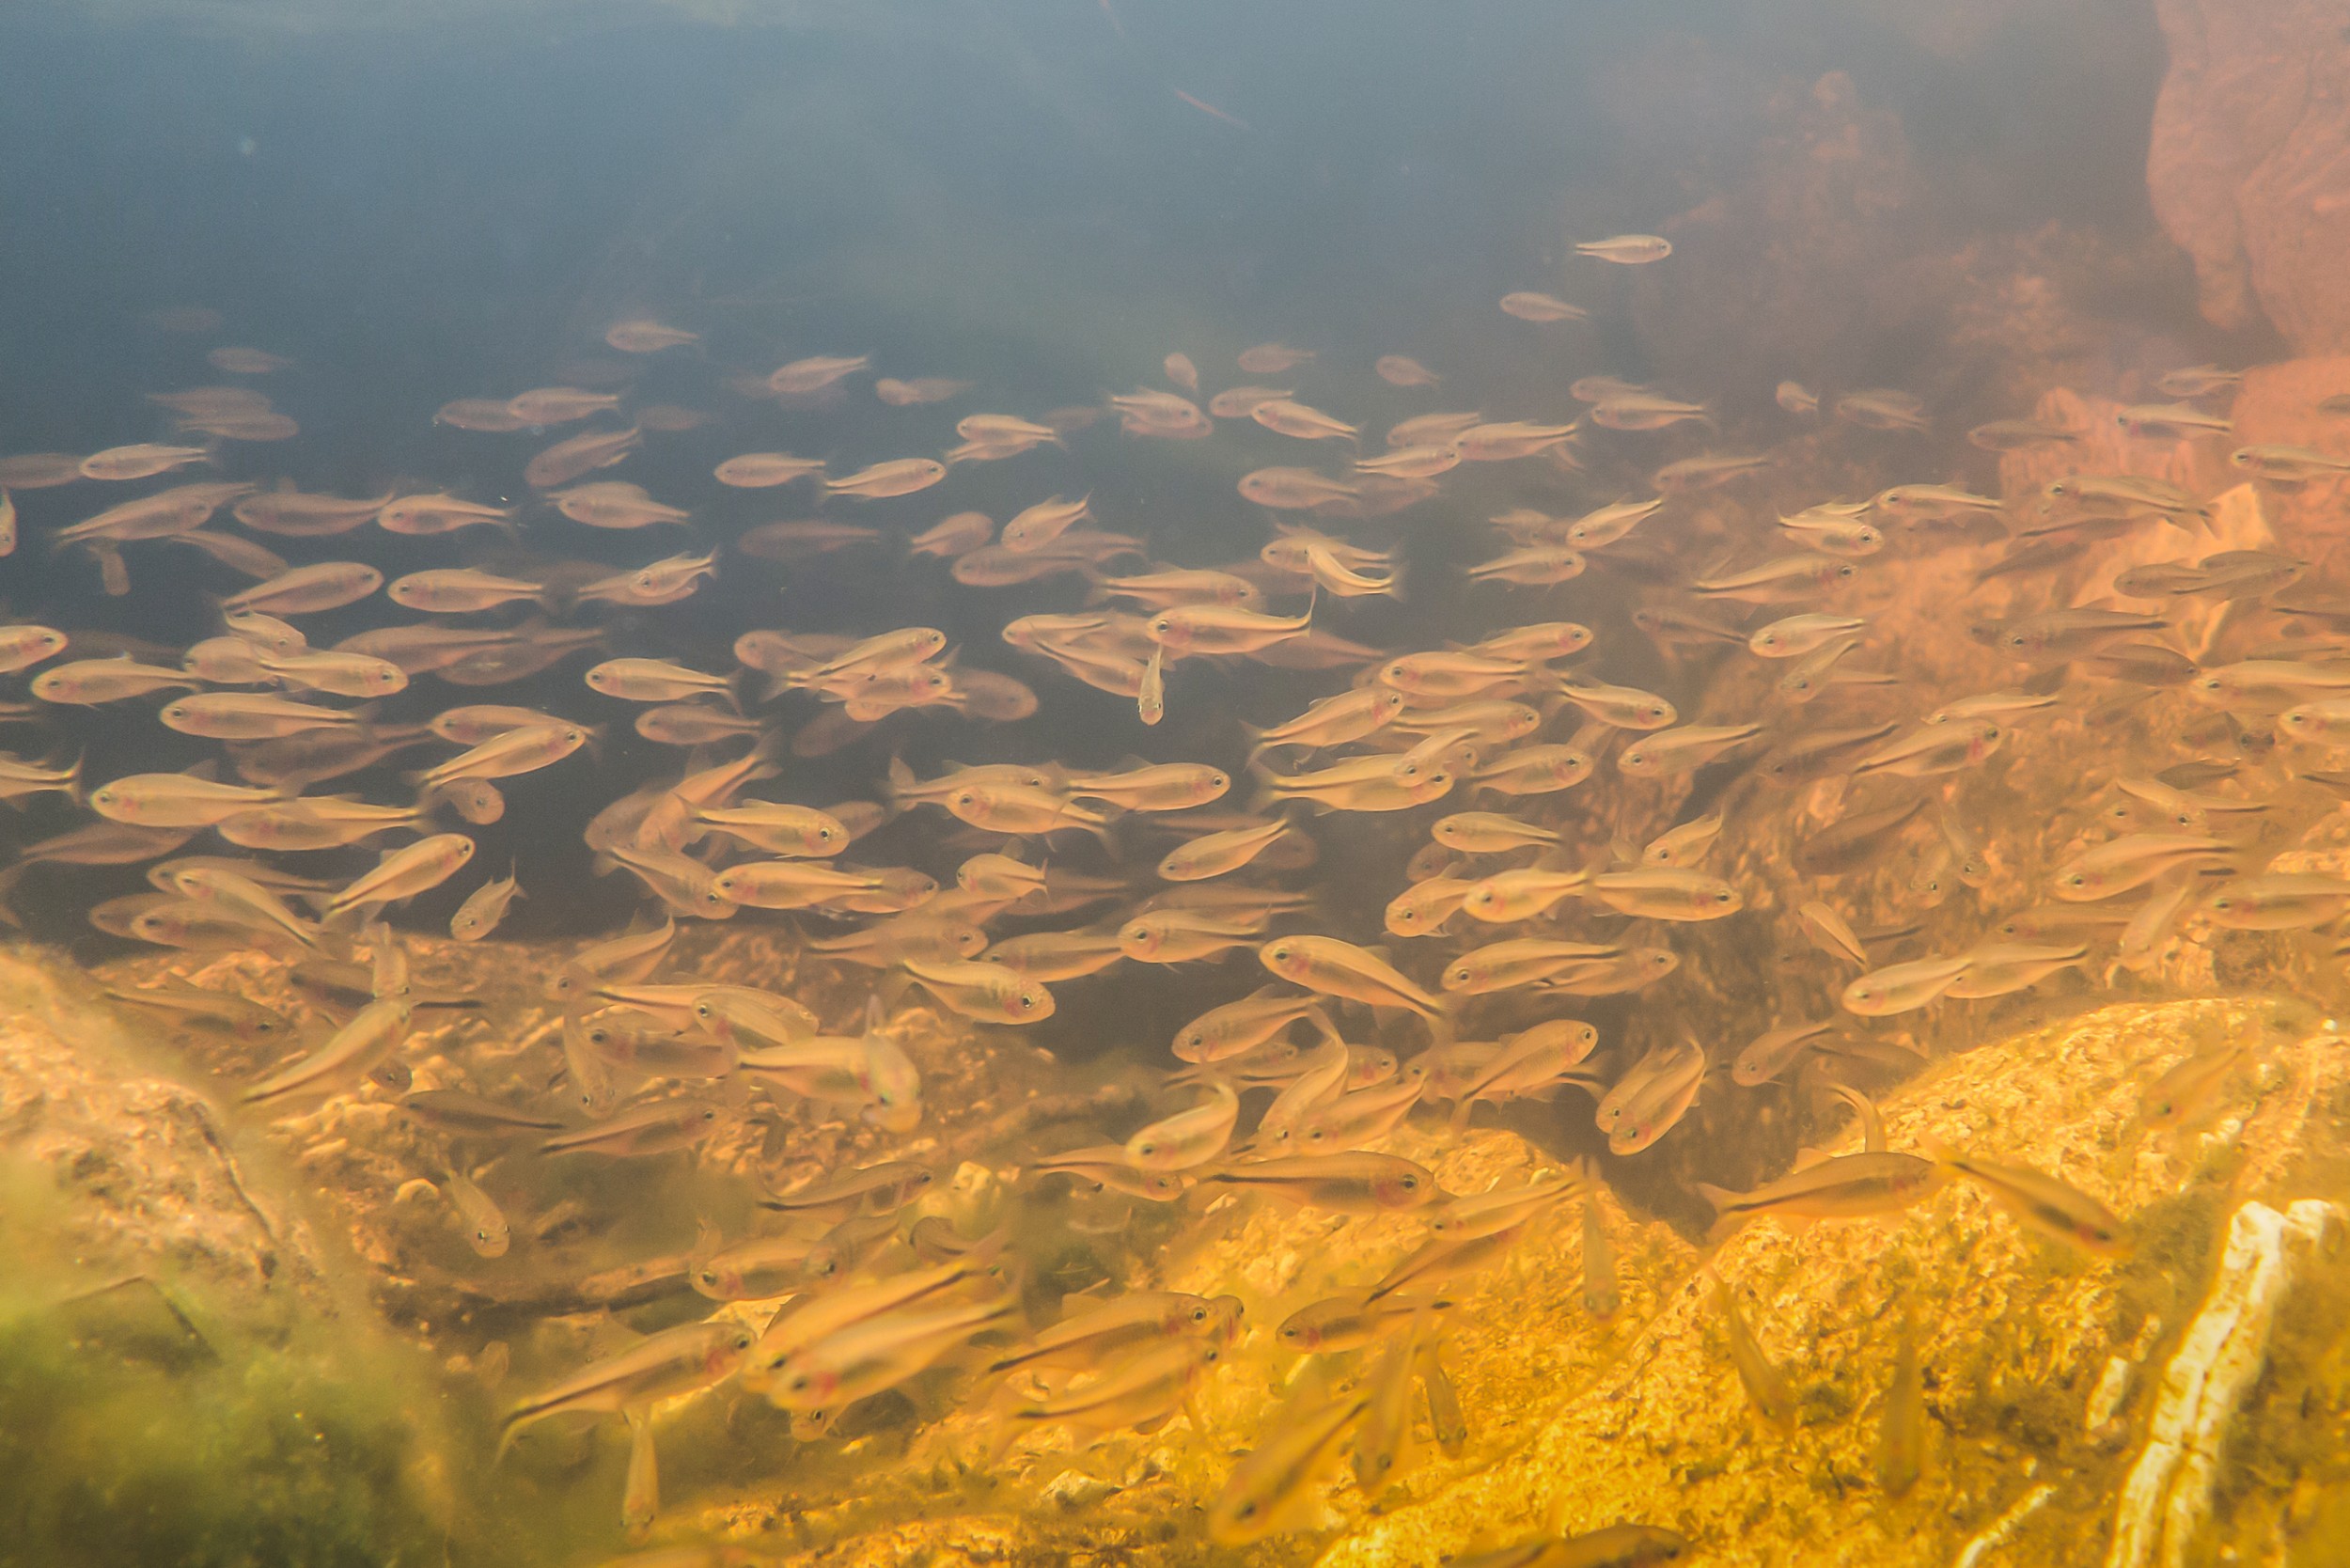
(1009, 194)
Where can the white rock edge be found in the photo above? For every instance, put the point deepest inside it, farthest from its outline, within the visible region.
(2000, 1529)
(2168, 1494)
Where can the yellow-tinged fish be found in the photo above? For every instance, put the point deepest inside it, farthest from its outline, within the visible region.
(987, 992)
(1600, 1296)
(1843, 1186)
(2134, 861)
(658, 1128)
(1685, 845)
(1333, 721)
(1648, 1104)
(176, 998)
(1190, 630)
(1357, 1182)
(1336, 968)
(1351, 1321)
(661, 1366)
(878, 1354)
(1105, 1165)
(1487, 833)
(2000, 968)
(640, 1492)
(881, 1188)
(1902, 987)
(2191, 1086)
(403, 874)
(175, 800)
(1765, 1384)
(1666, 893)
(759, 1268)
(1140, 1320)
(1189, 1137)
(484, 907)
(1271, 1491)
(808, 1322)
(1482, 1213)
(1361, 784)
(1166, 787)
(242, 898)
(1214, 855)
(1621, 707)
(1237, 1028)
(373, 1035)
(1448, 1257)
(1520, 895)
(1142, 1392)
(1383, 1435)
(1521, 960)
(1901, 1446)
(478, 1216)
(2054, 1208)
(1422, 909)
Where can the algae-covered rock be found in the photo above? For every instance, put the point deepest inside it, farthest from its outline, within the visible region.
(180, 1379)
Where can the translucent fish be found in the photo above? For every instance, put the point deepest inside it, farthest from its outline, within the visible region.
(1533, 306)
(1627, 250)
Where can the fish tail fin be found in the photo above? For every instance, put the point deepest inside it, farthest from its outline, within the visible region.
(509, 1429)
(1265, 793)
(1720, 1199)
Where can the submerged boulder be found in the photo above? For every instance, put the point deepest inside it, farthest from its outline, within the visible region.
(182, 1377)
(2250, 162)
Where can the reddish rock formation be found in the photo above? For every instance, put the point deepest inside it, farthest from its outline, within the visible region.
(2250, 162)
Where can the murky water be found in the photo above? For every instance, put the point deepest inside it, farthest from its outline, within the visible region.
(1084, 783)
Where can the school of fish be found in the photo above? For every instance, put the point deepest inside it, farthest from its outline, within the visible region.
(1456, 777)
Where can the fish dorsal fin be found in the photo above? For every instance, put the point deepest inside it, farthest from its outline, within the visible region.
(1807, 1158)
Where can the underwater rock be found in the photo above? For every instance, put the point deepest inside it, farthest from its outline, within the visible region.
(182, 1377)
(1577, 1422)
(2168, 1494)
(144, 1166)
(2250, 162)
(2277, 405)
(2013, 1331)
